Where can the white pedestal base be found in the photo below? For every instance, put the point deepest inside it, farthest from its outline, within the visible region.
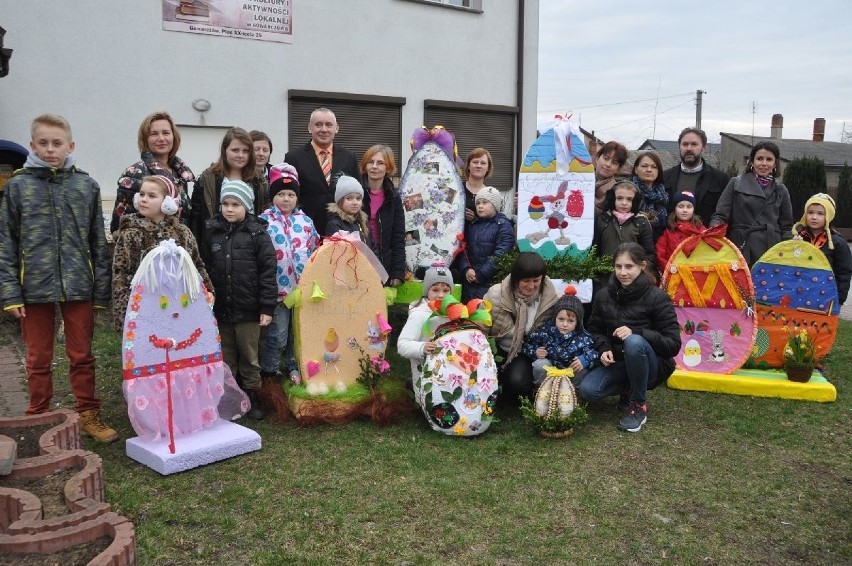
(221, 441)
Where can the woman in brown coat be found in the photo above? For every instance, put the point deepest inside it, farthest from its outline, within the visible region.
(520, 303)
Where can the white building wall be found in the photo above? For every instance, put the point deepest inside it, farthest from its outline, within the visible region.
(106, 64)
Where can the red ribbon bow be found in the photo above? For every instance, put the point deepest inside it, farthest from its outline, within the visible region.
(710, 236)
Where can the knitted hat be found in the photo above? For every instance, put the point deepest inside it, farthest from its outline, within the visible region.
(438, 273)
(346, 185)
(240, 191)
(828, 204)
(283, 176)
(570, 302)
(492, 195)
(684, 196)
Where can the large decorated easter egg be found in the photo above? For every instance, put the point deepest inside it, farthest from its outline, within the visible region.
(340, 314)
(556, 191)
(432, 194)
(711, 287)
(458, 389)
(795, 289)
(175, 381)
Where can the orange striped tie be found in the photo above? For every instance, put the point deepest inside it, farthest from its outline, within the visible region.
(325, 162)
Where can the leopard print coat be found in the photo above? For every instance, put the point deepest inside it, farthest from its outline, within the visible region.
(137, 236)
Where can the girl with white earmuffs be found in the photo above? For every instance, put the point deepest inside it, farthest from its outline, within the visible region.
(157, 204)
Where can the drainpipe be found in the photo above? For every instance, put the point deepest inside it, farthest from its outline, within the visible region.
(519, 93)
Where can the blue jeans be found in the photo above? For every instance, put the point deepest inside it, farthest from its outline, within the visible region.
(639, 366)
(277, 334)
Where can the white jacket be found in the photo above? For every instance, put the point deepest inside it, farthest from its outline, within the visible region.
(412, 338)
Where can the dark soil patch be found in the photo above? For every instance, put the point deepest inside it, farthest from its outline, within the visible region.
(50, 489)
(80, 554)
(27, 438)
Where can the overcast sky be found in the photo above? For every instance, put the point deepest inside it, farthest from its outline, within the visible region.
(616, 64)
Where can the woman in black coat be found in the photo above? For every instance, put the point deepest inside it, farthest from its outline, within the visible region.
(635, 329)
(755, 206)
(384, 211)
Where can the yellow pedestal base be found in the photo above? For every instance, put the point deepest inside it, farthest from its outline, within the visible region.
(755, 382)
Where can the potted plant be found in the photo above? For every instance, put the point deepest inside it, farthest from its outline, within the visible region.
(799, 356)
(556, 410)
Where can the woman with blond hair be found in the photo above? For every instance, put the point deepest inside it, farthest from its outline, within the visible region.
(477, 168)
(384, 211)
(159, 141)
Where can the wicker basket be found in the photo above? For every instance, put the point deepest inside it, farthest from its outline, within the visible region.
(799, 373)
(559, 434)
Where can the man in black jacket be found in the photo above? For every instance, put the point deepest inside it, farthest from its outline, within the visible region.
(695, 175)
(319, 161)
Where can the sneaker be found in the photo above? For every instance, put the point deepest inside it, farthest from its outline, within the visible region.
(91, 424)
(295, 376)
(635, 416)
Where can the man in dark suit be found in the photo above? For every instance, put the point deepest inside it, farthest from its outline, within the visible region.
(317, 163)
(695, 175)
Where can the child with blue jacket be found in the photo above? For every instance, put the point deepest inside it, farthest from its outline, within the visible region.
(563, 342)
(295, 239)
(487, 238)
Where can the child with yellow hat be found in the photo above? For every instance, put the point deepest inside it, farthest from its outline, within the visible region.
(815, 227)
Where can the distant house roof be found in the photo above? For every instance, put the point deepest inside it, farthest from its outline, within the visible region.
(833, 154)
(711, 150)
(590, 136)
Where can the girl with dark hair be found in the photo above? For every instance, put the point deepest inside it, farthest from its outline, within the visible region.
(755, 206)
(236, 163)
(634, 327)
(682, 223)
(648, 176)
(159, 141)
(609, 159)
(622, 221)
(520, 303)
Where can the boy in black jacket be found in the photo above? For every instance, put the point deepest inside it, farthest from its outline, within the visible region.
(240, 260)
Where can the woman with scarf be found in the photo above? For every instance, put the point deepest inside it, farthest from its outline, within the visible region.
(648, 176)
(608, 160)
(755, 206)
(159, 141)
(522, 302)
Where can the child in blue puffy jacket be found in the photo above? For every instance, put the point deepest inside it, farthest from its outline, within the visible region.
(563, 342)
(488, 237)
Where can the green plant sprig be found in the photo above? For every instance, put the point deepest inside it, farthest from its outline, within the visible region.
(553, 423)
(564, 266)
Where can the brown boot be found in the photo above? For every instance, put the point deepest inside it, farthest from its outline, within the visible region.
(91, 423)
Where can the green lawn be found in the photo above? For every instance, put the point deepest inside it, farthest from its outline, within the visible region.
(711, 479)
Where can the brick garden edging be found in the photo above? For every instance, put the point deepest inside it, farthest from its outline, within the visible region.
(23, 528)
(120, 552)
(64, 436)
(84, 492)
